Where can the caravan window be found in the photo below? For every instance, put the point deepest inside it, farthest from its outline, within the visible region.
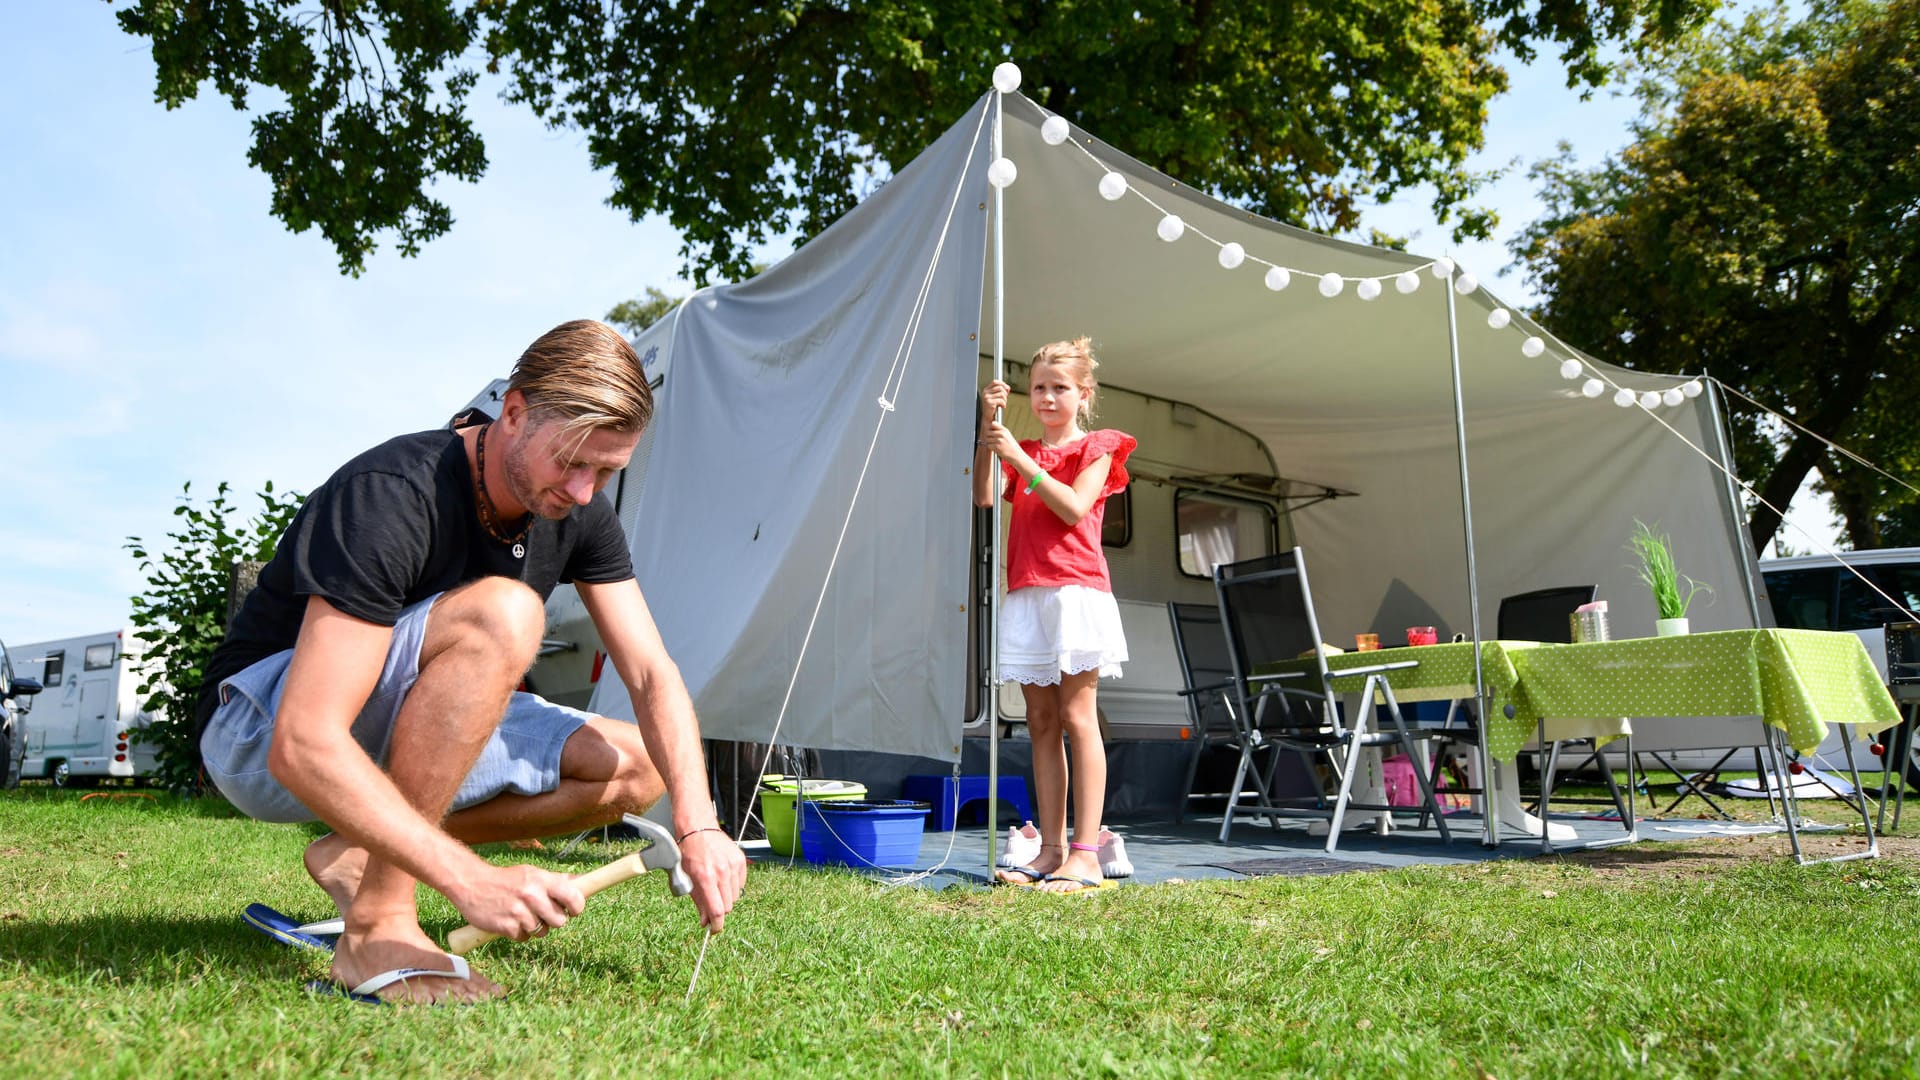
(1116, 528)
(1216, 529)
(56, 660)
(99, 657)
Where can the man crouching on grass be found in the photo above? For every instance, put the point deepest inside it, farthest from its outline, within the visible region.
(369, 681)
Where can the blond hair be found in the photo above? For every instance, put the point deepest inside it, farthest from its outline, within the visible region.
(584, 375)
(1076, 357)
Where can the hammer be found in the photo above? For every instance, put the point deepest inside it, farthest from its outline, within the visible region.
(664, 854)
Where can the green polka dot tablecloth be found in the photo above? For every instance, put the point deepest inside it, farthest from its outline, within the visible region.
(1445, 672)
(1800, 681)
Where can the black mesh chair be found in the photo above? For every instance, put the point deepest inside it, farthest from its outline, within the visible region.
(1546, 615)
(1543, 614)
(1266, 611)
(1200, 642)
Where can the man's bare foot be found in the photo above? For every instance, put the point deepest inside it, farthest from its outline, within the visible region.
(363, 954)
(336, 865)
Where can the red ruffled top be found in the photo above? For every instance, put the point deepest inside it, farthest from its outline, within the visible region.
(1041, 548)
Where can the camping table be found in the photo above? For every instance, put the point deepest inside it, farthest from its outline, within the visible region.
(1797, 681)
(1444, 673)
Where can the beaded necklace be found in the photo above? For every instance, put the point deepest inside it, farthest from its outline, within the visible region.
(487, 519)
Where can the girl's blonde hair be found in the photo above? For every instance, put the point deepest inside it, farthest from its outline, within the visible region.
(1077, 358)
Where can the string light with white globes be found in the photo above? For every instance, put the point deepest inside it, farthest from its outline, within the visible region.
(1113, 186)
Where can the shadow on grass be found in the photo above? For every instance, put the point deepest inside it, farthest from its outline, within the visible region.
(143, 949)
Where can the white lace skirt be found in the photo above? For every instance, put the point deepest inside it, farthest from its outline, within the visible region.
(1047, 631)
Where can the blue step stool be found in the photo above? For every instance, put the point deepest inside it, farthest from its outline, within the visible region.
(948, 796)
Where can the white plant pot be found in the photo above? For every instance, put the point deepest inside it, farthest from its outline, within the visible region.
(1669, 627)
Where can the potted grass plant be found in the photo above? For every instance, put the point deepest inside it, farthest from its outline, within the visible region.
(1670, 600)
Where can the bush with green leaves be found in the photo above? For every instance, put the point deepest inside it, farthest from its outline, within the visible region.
(183, 614)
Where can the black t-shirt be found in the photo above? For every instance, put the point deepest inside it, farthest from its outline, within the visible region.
(392, 527)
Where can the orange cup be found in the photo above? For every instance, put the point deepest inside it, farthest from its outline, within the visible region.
(1422, 635)
(1366, 642)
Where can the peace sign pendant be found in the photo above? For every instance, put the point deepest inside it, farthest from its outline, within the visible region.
(519, 551)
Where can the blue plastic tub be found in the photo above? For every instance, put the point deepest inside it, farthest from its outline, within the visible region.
(863, 834)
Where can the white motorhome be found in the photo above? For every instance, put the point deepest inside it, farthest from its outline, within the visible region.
(81, 727)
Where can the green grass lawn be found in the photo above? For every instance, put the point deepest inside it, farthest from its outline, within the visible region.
(122, 954)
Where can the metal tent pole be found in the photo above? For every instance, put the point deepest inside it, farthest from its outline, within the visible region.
(993, 541)
(1490, 818)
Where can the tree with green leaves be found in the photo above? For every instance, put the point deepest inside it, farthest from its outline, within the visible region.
(183, 614)
(1764, 226)
(745, 121)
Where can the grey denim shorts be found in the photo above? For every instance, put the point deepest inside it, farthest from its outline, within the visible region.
(522, 757)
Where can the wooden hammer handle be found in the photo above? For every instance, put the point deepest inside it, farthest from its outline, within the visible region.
(467, 938)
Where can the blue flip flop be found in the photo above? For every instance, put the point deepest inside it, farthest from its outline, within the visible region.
(288, 931)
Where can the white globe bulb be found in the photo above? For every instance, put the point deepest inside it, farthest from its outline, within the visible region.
(1532, 347)
(1278, 278)
(1570, 368)
(1006, 77)
(1593, 388)
(1465, 284)
(1623, 398)
(1407, 281)
(1002, 172)
(1053, 131)
(1499, 317)
(1331, 284)
(1232, 255)
(1170, 228)
(1650, 399)
(1112, 186)
(1673, 397)
(1442, 266)
(1691, 388)
(1369, 288)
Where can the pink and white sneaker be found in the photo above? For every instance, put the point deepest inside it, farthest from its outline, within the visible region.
(1113, 855)
(1022, 846)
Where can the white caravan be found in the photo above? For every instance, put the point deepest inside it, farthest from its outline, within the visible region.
(81, 727)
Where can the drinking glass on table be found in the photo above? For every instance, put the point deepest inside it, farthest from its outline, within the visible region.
(1366, 642)
(1422, 635)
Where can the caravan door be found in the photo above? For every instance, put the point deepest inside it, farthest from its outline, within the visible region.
(92, 729)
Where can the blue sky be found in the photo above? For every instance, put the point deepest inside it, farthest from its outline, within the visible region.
(158, 327)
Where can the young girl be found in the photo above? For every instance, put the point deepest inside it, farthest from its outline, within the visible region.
(1059, 628)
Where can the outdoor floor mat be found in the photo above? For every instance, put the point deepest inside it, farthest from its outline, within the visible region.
(1297, 866)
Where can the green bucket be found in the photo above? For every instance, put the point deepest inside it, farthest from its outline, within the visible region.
(776, 805)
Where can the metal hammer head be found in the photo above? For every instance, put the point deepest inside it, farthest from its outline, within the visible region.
(663, 855)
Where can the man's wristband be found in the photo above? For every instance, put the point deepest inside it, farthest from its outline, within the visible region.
(704, 828)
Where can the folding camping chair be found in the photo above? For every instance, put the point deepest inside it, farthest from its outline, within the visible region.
(1546, 615)
(1266, 612)
(1200, 642)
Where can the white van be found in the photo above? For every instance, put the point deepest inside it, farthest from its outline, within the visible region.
(1818, 592)
(81, 728)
